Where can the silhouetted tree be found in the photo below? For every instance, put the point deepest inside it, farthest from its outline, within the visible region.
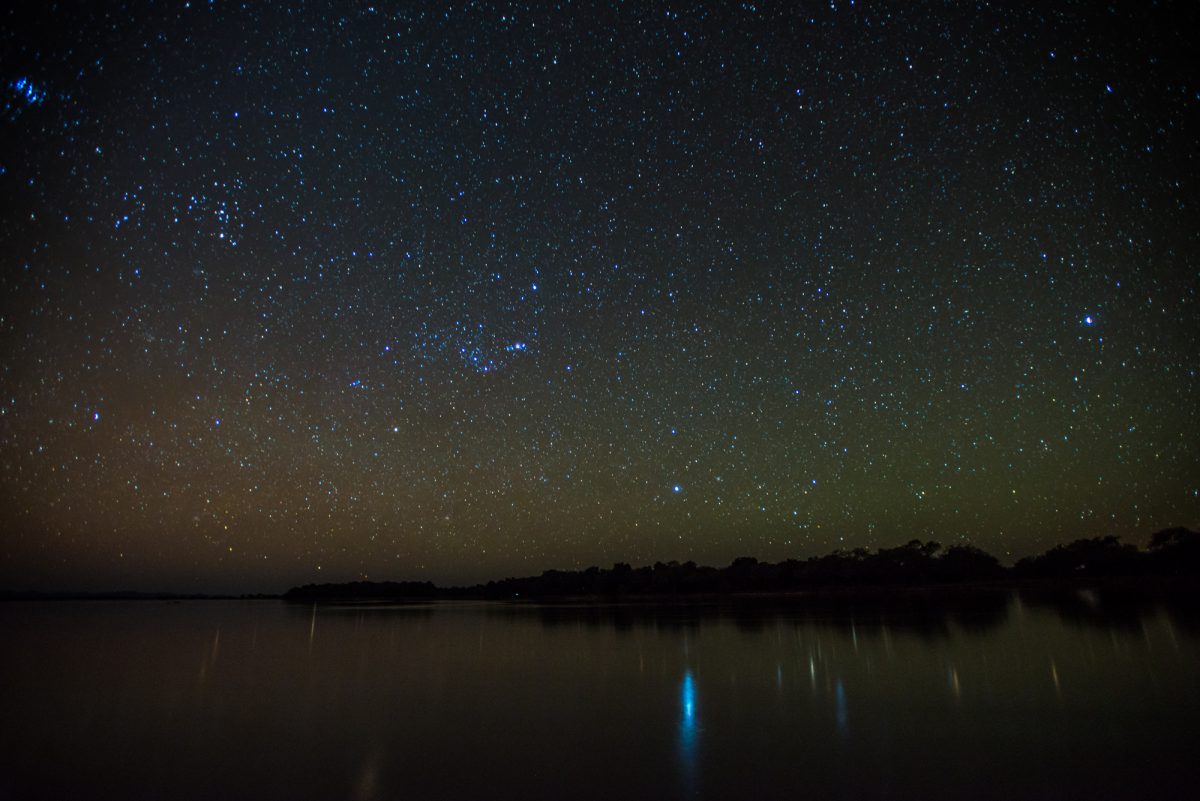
(968, 563)
(912, 562)
(1098, 556)
(1175, 551)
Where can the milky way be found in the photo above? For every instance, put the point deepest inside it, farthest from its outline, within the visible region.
(463, 291)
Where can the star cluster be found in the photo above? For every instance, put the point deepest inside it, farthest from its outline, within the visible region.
(318, 291)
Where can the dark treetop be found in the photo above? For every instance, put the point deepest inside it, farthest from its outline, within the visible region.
(1172, 553)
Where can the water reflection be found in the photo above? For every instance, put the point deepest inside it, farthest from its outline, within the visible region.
(312, 628)
(687, 731)
(1116, 605)
(1011, 698)
(687, 695)
(843, 714)
(933, 615)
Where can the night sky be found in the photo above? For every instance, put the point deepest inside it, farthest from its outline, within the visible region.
(458, 292)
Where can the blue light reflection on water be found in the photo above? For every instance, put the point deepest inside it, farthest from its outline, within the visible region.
(688, 701)
(688, 731)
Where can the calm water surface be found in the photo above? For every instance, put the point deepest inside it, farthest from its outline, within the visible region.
(994, 696)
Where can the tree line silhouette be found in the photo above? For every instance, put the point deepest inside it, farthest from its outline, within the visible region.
(1171, 552)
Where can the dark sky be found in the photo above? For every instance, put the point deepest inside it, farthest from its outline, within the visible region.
(457, 292)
